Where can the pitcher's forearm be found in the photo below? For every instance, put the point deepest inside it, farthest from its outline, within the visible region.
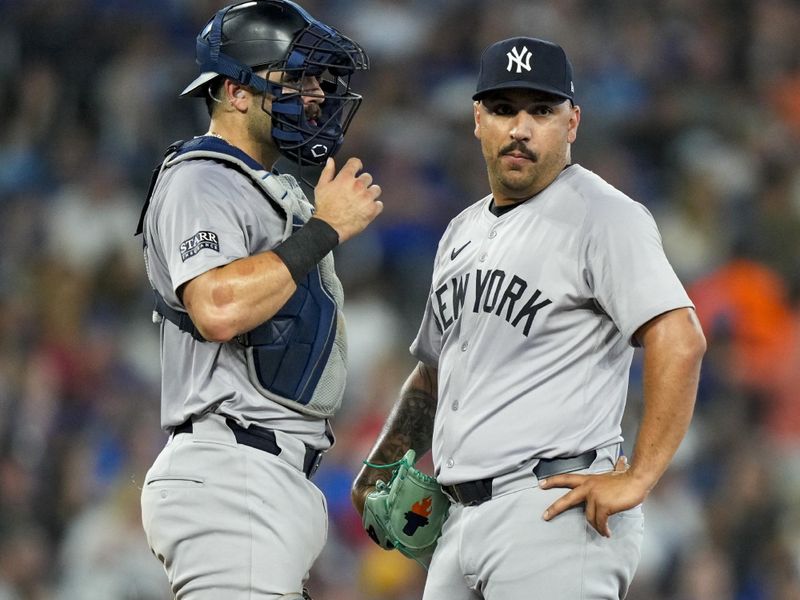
(409, 425)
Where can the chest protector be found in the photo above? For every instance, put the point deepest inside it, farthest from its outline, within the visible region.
(296, 358)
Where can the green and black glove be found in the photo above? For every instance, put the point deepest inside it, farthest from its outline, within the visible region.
(408, 512)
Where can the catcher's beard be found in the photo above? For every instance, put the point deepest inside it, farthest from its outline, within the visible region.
(259, 123)
(313, 112)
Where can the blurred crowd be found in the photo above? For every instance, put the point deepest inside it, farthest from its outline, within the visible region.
(691, 107)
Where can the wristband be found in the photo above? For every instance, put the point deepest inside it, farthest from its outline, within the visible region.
(301, 251)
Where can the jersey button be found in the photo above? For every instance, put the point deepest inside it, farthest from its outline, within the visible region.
(492, 234)
(450, 462)
(455, 404)
(482, 257)
(464, 346)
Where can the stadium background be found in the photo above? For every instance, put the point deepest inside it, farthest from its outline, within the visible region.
(692, 107)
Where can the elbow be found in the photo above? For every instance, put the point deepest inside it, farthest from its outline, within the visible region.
(216, 330)
(693, 347)
(702, 344)
(215, 323)
(688, 340)
(211, 302)
(698, 344)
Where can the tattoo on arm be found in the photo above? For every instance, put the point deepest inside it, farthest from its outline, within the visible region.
(410, 424)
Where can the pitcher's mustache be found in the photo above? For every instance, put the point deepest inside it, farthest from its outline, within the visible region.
(518, 147)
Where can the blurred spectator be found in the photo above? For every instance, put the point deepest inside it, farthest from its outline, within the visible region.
(90, 219)
(103, 544)
(745, 305)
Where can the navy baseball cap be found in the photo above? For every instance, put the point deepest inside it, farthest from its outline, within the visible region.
(524, 62)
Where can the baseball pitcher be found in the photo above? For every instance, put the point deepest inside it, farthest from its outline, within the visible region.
(540, 292)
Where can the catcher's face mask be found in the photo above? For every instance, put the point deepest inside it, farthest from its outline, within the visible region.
(280, 36)
(311, 137)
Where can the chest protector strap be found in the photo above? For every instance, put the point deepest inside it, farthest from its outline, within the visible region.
(287, 354)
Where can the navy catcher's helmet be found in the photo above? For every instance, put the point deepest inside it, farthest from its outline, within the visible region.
(281, 36)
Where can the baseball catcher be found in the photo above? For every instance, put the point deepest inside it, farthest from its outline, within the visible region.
(251, 377)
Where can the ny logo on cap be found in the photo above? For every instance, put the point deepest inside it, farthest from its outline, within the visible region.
(522, 58)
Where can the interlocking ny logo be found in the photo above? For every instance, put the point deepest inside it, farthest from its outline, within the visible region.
(522, 58)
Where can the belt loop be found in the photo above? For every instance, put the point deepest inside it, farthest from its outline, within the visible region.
(301, 456)
(312, 461)
(255, 437)
(470, 493)
(548, 467)
(185, 427)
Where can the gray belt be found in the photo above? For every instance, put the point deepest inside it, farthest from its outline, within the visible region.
(472, 493)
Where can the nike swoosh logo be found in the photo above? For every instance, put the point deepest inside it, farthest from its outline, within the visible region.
(455, 252)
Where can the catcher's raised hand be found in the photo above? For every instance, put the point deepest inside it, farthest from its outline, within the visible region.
(604, 494)
(347, 200)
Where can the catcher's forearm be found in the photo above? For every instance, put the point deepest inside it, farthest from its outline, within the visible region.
(409, 426)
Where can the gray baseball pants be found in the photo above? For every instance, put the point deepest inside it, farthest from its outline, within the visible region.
(503, 549)
(229, 521)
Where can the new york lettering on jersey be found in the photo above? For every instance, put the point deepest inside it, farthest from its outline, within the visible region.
(493, 292)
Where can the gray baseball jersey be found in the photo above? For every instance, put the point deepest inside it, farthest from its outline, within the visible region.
(204, 215)
(530, 322)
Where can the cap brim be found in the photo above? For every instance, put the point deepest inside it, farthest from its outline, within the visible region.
(527, 85)
(198, 86)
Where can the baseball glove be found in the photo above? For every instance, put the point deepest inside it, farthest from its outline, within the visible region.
(408, 512)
